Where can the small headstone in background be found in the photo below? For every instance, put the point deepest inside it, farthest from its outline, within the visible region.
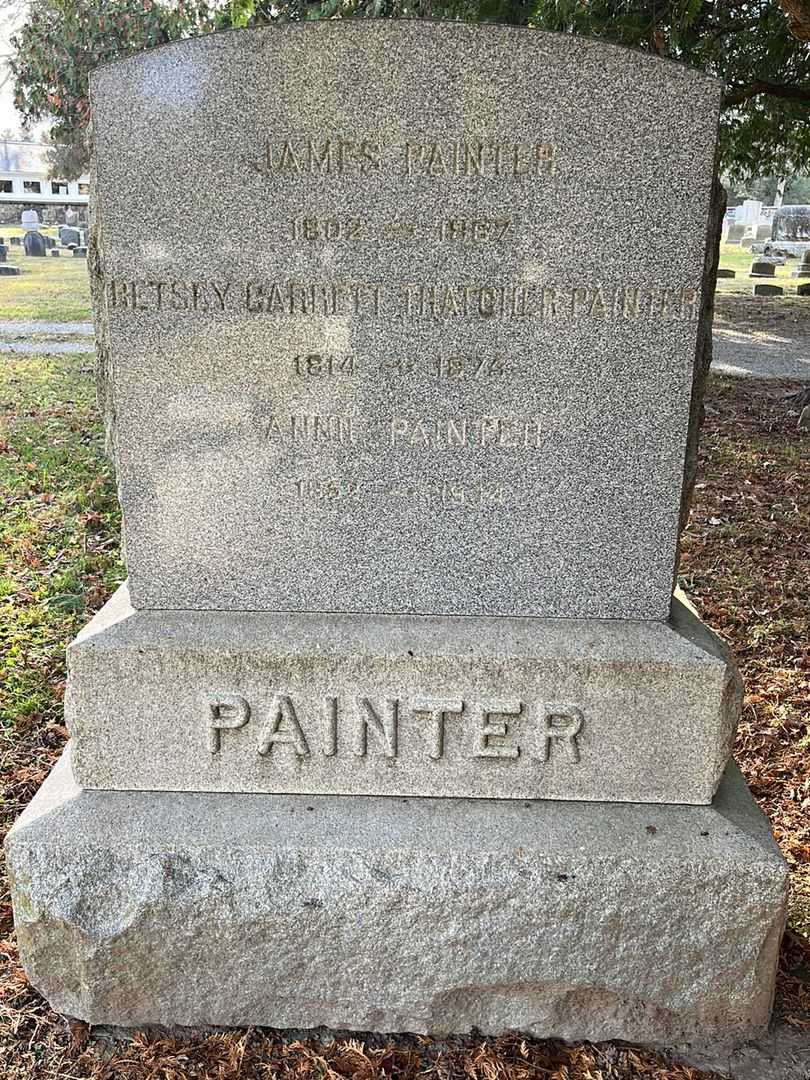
(29, 219)
(762, 268)
(7, 270)
(726, 273)
(803, 269)
(768, 290)
(35, 246)
(69, 237)
(16, 240)
(735, 234)
(79, 252)
(3, 251)
(55, 252)
(803, 290)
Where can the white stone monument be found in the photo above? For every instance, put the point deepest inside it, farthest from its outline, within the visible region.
(29, 220)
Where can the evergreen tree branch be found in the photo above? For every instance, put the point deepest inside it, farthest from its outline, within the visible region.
(779, 90)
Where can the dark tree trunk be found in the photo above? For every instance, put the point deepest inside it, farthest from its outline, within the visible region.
(703, 357)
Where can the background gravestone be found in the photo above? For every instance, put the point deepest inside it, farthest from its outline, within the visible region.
(35, 245)
(29, 219)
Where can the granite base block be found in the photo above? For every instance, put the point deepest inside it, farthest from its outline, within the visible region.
(649, 923)
(401, 705)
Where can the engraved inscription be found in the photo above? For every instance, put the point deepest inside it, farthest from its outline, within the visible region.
(330, 741)
(336, 156)
(437, 709)
(159, 295)
(313, 298)
(367, 726)
(480, 158)
(321, 364)
(451, 366)
(504, 301)
(311, 428)
(493, 729)
(382, 721)
(328, 229)
(282, 728)
(457, 367)
(490, 432)
(451, 494)
(419, 300)
(466, 494)
(477, 231)
(330, 488)
(348, 229)
(225, 712)
(426, 433)
(561, 722)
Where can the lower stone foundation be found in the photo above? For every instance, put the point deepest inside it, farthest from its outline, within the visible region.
(649, 923)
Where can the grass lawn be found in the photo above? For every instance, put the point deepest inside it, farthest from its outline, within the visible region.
(744, 564)
(51, 289)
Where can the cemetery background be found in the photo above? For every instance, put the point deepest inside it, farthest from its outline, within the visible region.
(742, 555)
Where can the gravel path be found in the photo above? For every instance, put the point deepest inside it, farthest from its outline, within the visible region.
(9, 326)
(46, 347)
(761, 356)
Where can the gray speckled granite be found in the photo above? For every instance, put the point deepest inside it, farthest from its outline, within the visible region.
(401, 705)
(397, 325)
(492, 239)
(650, 923)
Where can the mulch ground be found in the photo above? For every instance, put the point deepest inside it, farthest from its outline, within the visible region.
(744, 563)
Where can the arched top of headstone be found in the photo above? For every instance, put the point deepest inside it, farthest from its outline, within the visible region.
(513, 37)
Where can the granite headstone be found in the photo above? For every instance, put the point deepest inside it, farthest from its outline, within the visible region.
(401, 470)
(35, 245)
(422, 389)
(69, 237)
(762, 268)
(410, 397)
